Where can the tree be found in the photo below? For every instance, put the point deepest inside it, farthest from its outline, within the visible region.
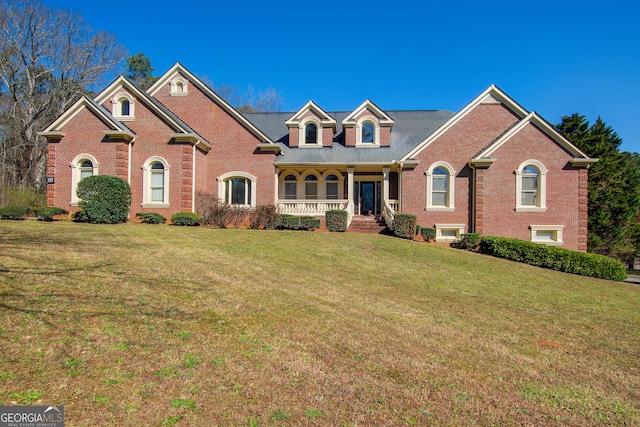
(139, 70)
(48, 58)
(614, 187)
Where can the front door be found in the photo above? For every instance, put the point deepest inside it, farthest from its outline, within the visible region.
(367, 196)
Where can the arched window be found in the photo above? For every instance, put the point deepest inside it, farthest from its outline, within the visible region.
(83, 166)
(311, 133)
(311, 187)
(368, 133)
(440, 187)
(238, 191)
(237, 188)
(332, 186)
(179, 86)
(155, 183)
(124, 107)
(290, 187)
(531, 187)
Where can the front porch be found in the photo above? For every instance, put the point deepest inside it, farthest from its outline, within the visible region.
(312, 192)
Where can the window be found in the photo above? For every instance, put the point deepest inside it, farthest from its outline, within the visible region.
(155, 183)
(290, 187)
(332, 187)
(531, 187)
(311, 133)
(547, 234)
(311, 187)
(237, 188)
(440, 187)
(448, 232)
(123, 106)
(178, 87)
(83, 165)
(368, 132)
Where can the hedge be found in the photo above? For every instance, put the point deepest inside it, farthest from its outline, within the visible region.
(47, 214)
(585, 264)
(151, 218)
(404, 225)
(13, 212)
(186, 218)
(336, 220)
(105, 199)
(290, 222)
(468, 241)
(428, 233)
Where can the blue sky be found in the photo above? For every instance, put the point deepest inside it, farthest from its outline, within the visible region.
(554, 57)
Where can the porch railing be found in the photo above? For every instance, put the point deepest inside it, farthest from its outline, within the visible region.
(311, 207)
(388, 209)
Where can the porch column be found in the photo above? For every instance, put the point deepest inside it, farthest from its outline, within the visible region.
(385, 184)
(275, 187)
(350, 185)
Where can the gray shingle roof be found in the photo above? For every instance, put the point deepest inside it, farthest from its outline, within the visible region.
(410, 129)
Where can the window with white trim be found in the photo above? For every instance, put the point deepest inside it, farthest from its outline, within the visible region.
(290, 187)
(440, 187)
(547, 234)
(531, 182)
(311, 133)
(237, 188)
(83, 165)
(311, 187)
(155, 183)
(332, 187)
(123, 106)
(179, 87)
(448, 232)
(367, 132)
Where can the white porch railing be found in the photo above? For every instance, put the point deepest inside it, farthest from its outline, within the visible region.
(388, 209)
(311, 207)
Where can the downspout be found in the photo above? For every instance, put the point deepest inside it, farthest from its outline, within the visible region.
(473, 198)
(129, 163)
(193, 181)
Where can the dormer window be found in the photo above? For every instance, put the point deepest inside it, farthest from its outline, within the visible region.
(311, 134)
(178, 86)
(368, 130)
(123, 106)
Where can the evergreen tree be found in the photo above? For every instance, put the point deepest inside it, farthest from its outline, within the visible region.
(139, 70)
(614, 187)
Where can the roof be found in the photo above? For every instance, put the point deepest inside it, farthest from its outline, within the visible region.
(410, 129)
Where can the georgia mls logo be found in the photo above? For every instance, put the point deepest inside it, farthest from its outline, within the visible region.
(31, 416)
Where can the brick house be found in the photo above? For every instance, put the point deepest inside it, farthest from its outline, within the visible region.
(492, 168)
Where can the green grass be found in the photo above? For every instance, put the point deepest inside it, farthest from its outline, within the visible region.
(137, 325)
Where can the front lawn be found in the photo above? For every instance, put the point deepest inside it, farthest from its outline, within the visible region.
(159, 325)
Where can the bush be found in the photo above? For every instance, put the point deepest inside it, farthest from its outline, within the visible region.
(26, 197)
(429, 234)
(404, 225)
(336, 220)
(186, 218)
(47, 214)
(239, 215)
(105, 199)
(80, 216)
(151, 218)
(13, 212)
(265, 217)
(585, 264)
(290, 222)
(212, 211)
(469, 242)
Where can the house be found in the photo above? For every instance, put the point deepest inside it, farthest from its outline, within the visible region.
(493, 167)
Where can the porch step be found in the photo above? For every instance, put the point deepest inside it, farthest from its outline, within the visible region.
(368, 224)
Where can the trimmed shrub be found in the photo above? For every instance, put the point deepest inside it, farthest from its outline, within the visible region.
(151, 218)
(265, 217)
(585, 264)
(429, 234)
(290, 222)
(13, 212)
(469, 242)
(404, 225)
(309, 223)
(47, 214)
(105, 199)
(186, 218)
(336, 220)
(80, 216)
